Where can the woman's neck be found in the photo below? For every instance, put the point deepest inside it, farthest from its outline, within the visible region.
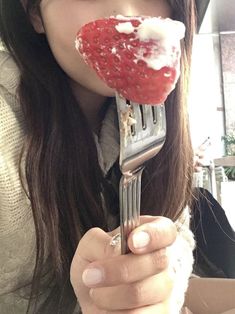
(92, 105)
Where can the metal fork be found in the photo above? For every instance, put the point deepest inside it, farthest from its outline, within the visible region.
(142, 135)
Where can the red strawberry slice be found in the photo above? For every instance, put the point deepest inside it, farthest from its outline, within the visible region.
(143, 70)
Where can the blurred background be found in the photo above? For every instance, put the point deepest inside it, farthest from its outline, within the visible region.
(212, 101)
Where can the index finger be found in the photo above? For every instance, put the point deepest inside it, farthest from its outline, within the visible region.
(153, 235)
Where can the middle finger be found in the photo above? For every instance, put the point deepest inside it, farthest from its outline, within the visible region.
(128, 268)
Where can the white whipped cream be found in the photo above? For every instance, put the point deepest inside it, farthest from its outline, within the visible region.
(166, 32)
(126, 28)
(152, 28)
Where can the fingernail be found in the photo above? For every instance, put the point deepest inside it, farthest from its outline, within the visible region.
(140, 239)
(92, 276)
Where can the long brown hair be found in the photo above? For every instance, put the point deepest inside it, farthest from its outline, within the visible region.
(64, 179)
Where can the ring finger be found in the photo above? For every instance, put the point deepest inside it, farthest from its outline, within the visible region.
(140, 294)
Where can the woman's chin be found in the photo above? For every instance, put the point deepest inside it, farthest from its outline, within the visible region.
(105, 90)
(110, 93)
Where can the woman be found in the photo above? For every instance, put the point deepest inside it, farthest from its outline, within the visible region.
(59, 178)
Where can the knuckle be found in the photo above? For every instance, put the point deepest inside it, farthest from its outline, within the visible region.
(88, 237)
(138, 294)
(163, 231)
(124, 273)
(97, 299)
(160, 260)
(107, 250)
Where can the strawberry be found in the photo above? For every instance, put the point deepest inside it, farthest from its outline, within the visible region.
(142, 68)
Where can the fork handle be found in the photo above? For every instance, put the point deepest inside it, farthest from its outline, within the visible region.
(130, 198)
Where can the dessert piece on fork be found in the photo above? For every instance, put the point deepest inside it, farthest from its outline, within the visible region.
(138, 57)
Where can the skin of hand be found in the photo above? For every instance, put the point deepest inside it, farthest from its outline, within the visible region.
(211, 295)
(140, 282)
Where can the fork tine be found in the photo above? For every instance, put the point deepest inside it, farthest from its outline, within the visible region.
(161, 121)
(143, 116)
(123, 215)
(138, 188)
(138, 117)
(129, 201)
(134, 202)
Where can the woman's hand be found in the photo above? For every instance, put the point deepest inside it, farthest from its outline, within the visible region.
(137, 283)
